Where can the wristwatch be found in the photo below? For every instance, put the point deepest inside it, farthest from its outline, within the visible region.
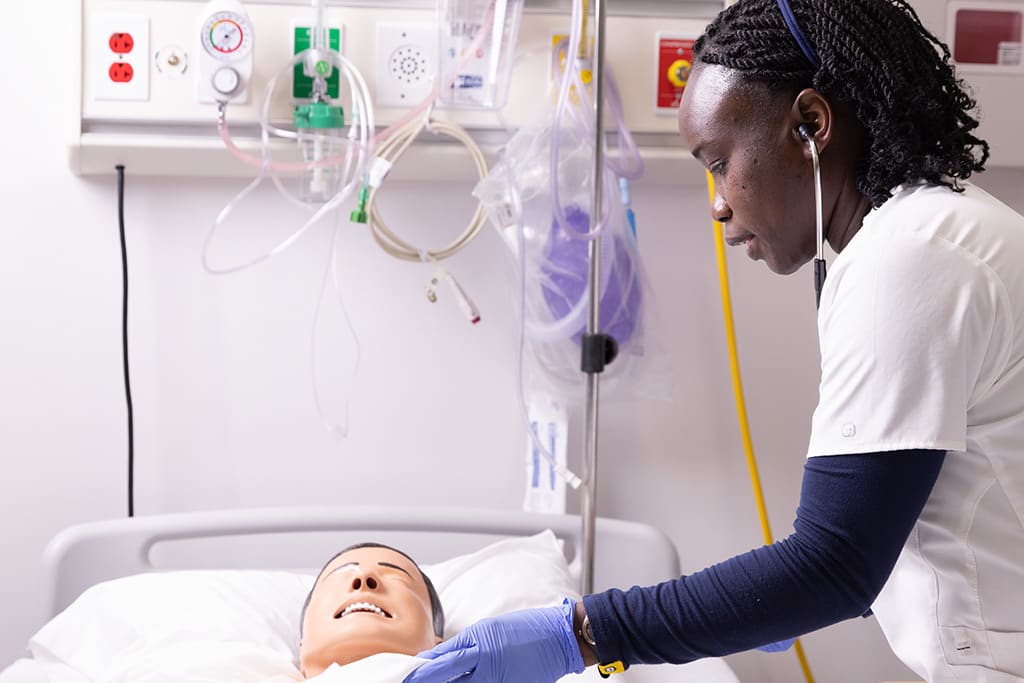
(586, 634)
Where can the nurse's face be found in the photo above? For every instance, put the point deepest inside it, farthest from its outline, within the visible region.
(367, 601)
(743, 134)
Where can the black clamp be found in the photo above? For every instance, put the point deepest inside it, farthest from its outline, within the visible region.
(599, 350)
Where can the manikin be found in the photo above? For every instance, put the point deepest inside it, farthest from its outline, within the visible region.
(367, 600)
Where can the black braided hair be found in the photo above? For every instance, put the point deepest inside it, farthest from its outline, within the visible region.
(877, 58)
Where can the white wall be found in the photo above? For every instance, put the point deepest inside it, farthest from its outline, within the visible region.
(221, 376)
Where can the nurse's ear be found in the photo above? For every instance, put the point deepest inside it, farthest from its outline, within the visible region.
(811, 116)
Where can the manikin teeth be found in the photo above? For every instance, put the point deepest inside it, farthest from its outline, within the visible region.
(363, 607)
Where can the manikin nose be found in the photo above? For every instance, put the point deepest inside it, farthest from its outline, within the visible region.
(364, 583)
(720, 210)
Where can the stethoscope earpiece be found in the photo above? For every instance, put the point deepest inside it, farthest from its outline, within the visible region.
(806, 132)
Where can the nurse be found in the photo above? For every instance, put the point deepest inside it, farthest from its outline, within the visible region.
(912, 503)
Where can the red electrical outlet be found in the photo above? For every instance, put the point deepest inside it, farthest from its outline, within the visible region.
(119, 57)
(121, 72)
(121, 43)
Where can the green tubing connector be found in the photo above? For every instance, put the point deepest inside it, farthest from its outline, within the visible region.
(319, 115)
(358, 214)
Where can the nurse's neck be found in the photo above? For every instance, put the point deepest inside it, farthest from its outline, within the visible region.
(847, 146)
(847, 215)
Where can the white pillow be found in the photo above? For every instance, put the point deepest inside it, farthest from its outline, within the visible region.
(125, 624)
(512, 574)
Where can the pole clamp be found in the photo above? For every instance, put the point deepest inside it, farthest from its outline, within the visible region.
(599, 351)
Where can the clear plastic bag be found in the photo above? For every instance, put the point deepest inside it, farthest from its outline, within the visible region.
(481, 80)
(550, 246)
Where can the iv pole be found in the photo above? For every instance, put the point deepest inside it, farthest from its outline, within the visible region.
(598, 349)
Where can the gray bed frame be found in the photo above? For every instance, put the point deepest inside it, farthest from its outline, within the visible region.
(303, 537)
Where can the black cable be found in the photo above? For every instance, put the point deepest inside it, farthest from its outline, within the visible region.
(124, 342)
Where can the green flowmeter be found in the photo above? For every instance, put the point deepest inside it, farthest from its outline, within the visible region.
(302, 85)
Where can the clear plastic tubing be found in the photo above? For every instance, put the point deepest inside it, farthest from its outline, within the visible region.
(627, 145)
(360, 91)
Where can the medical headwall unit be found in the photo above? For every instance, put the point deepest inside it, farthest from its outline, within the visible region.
(137, 102)
(142, 102)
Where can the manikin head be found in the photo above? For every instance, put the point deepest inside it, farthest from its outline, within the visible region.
(368, 599)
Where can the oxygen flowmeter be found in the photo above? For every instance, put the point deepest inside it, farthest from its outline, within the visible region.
(226, 52)
(319, 120)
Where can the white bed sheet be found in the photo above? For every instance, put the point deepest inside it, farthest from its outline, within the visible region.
(379, 669)
(33, 671)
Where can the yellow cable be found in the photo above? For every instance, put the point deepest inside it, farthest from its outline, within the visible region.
(741, 405)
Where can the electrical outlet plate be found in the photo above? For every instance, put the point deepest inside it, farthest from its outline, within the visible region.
(105, 62)
(406, 63)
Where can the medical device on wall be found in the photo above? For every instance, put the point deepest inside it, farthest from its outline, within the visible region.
(478, 40)
(155, 123)
(226, 42)
(481, 81)
(332, 162)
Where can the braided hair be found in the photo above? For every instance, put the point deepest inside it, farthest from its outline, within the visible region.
(877, 58)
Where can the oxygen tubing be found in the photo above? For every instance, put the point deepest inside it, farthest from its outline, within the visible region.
(741, 404)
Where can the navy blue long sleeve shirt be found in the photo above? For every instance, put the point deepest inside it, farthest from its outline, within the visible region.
(855, 514)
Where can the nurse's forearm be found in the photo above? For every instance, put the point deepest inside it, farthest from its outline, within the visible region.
(855, 514)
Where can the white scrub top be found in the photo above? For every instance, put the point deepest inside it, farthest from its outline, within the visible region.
(922, 346)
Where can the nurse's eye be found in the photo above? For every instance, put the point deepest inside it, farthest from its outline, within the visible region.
(718, 168)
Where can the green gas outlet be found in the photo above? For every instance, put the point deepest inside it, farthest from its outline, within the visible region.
(302, 85)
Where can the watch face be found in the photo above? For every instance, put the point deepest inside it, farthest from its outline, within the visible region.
(586, 632)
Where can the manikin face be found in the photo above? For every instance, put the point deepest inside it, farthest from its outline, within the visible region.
(763, 180)
(366, 601)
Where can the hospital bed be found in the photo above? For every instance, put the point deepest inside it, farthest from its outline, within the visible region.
(148, 580)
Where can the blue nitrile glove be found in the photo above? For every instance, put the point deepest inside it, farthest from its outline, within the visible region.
(780, 646)
(535, 645)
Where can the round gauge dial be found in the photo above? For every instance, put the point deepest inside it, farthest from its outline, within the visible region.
(226, 34)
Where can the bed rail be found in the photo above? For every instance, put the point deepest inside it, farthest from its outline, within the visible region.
(86, 554)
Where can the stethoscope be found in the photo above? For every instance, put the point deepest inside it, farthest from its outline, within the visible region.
(819, 261)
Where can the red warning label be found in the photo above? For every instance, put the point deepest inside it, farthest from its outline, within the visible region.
(675, 59)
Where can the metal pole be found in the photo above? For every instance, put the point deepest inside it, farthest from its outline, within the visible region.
(594, 321)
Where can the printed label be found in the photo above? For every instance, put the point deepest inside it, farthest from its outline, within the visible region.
(1009, 53)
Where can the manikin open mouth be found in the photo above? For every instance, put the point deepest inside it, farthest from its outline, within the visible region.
(357, 607)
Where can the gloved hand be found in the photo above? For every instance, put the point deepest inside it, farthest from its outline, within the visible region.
(535, 645)
(780, 646)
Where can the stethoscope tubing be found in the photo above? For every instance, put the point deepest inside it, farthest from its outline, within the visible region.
(819, 261)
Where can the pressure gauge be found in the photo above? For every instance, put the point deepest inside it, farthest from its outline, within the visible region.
(227, 35)
(226, 52)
